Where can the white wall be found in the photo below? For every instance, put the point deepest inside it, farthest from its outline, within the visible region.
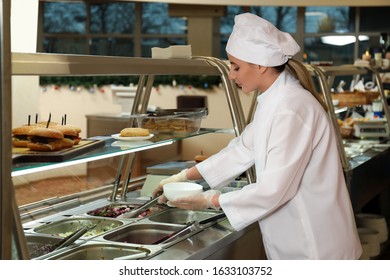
(77, 104)
(24, 26)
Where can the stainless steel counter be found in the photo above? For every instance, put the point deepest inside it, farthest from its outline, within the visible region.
(369, 173)
(214, 240)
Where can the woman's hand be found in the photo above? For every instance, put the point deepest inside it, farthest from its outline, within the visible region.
(180, 177)
(204, 200)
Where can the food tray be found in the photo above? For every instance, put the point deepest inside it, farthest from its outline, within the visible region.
(22, 155)
(183, 121)
(65, 227)
(355, 98)
(116, 209)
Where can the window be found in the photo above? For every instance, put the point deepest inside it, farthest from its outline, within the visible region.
(108, 28)
(121, 28)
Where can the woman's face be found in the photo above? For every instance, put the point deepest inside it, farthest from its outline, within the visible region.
(246, 75)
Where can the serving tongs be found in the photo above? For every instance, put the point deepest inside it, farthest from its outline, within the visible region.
(70, 239)
(135, 212)
(190, 227)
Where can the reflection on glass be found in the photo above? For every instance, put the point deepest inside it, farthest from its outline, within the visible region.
(65, 45)
(284, 18)
(64, 17)
(317, 50)
(329, 19)
(112, 18)
(375, 19)
(112, 46)
(155, 20)
(148, 44)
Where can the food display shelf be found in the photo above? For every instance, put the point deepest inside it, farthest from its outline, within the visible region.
(111, 148)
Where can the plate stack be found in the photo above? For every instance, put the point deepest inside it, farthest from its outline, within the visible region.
(369, 239)
(373, 232)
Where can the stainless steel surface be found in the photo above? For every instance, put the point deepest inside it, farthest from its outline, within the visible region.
(101, 251)
(142, 233)
(178, 216)
(12, 241)
(200, 242)
(135, 256)
(85, 65)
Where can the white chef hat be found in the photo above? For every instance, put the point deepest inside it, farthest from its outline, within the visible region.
(257, 41)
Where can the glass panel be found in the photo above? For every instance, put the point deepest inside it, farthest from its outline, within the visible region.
(319, 49)
(155, 20)
(112, 18)
(329, 19)
(148, 44)
(108, 151)
(375, 19)
(284, 18)
(59, 17)
(112, 46)
(65, 45)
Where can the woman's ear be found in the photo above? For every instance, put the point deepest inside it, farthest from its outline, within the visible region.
(262, 69)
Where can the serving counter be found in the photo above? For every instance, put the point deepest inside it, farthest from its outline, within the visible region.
(212, 240)
(365, 163)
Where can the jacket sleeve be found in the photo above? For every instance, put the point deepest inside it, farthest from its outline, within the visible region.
(288, 153)
(233, 160)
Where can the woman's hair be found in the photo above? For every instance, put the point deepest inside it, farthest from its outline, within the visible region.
(299, 71)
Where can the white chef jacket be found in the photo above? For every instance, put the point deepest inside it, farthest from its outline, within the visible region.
(300, 199)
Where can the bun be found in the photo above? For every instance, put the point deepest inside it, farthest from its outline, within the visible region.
(134, 131)
(199, 158)
(70, 132)
(46, 133)
(19, 135)
(44, 123)
(52, 146)
(45, 139)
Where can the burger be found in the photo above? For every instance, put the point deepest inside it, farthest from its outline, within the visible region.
(19, 135)
(70, 135)
(70, 131)
(45, 139)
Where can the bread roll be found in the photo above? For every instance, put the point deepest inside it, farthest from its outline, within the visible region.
(134, 131)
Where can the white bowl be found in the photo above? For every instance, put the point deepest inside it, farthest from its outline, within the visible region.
(176, 190)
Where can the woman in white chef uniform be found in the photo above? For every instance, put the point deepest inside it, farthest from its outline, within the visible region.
(299, 199)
